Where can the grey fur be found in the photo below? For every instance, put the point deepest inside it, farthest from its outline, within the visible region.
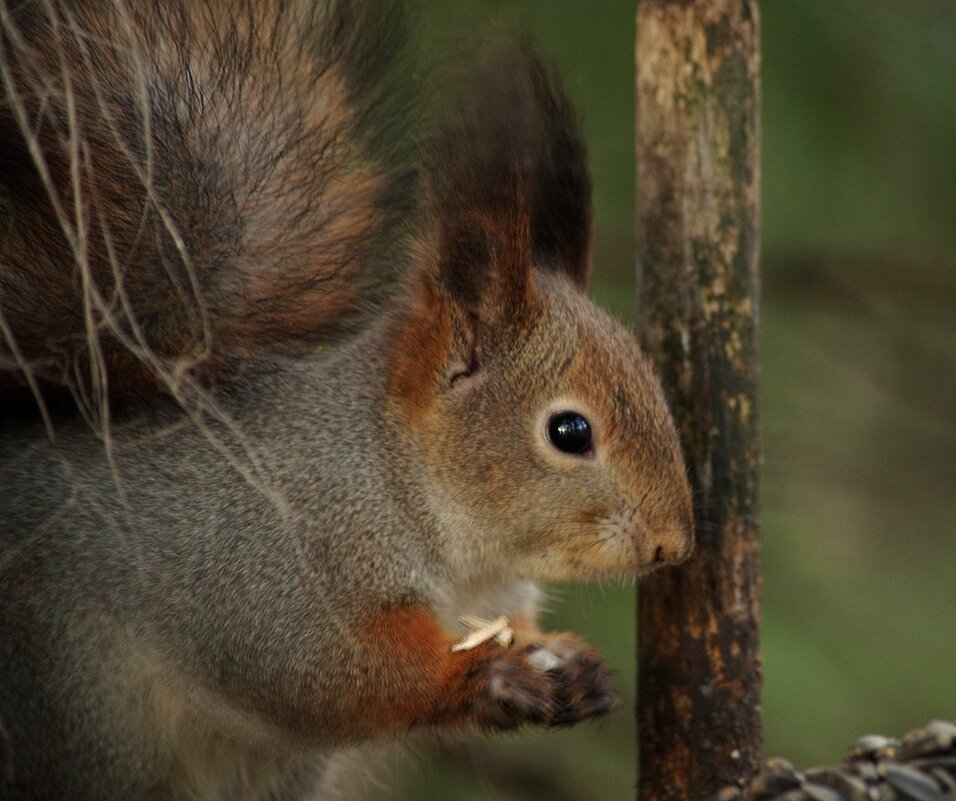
(194, 576)
(156, 613)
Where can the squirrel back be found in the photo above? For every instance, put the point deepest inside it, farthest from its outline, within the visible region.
(361, 401)
(184, 183)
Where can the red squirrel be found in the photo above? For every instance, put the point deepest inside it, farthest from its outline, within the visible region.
(285, 396)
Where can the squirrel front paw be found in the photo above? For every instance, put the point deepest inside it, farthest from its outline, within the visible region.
(555, 682)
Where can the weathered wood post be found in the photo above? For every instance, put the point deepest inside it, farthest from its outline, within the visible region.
(699, 716)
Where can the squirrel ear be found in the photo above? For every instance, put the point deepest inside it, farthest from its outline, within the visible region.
(562, 182)
(509, 188)
(484, 264)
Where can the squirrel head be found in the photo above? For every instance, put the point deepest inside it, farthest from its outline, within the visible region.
(540, 429)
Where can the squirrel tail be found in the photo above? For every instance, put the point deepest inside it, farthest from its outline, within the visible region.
(187, 182)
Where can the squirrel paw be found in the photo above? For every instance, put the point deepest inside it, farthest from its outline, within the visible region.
(558, 681)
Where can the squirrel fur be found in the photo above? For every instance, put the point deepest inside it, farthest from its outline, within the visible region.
(280, 399)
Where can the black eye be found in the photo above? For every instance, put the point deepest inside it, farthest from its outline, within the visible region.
(570, 432)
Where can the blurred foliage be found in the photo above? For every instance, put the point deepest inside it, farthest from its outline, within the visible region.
(859, 393)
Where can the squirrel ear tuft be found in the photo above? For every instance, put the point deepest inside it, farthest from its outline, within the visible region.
(562, 181)
(509, 187)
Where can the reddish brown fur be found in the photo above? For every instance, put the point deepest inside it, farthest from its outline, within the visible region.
(418, 351)
(478, 279)
(419, 679)
(273, 195)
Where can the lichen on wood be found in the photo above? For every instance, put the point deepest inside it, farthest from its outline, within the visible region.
(699, 714)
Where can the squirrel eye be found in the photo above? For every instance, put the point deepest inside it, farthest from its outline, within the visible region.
(570, 432)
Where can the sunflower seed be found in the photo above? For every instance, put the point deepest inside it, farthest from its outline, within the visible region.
(866, 746)
(910, 782)
(783, 767)
(882, 792)
(771, 784)
(866, 771)
(930, 740)
(889, 751)
(944, 779)
(944, 762)
(729, 793)
(793, 795)
(842, 781)
(943, 727)
(820, 792)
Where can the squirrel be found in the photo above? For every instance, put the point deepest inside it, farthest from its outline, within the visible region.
(284, 396)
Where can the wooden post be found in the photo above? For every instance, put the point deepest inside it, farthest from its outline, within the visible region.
(699, 716)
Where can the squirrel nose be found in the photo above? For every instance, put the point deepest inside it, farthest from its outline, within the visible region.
(674, 555)
(678, 543)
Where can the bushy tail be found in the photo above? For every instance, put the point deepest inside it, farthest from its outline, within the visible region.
(186, 182)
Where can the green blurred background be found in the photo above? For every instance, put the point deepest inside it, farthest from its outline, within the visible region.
(859, 382)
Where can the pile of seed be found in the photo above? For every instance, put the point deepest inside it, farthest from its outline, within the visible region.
(920, 766)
